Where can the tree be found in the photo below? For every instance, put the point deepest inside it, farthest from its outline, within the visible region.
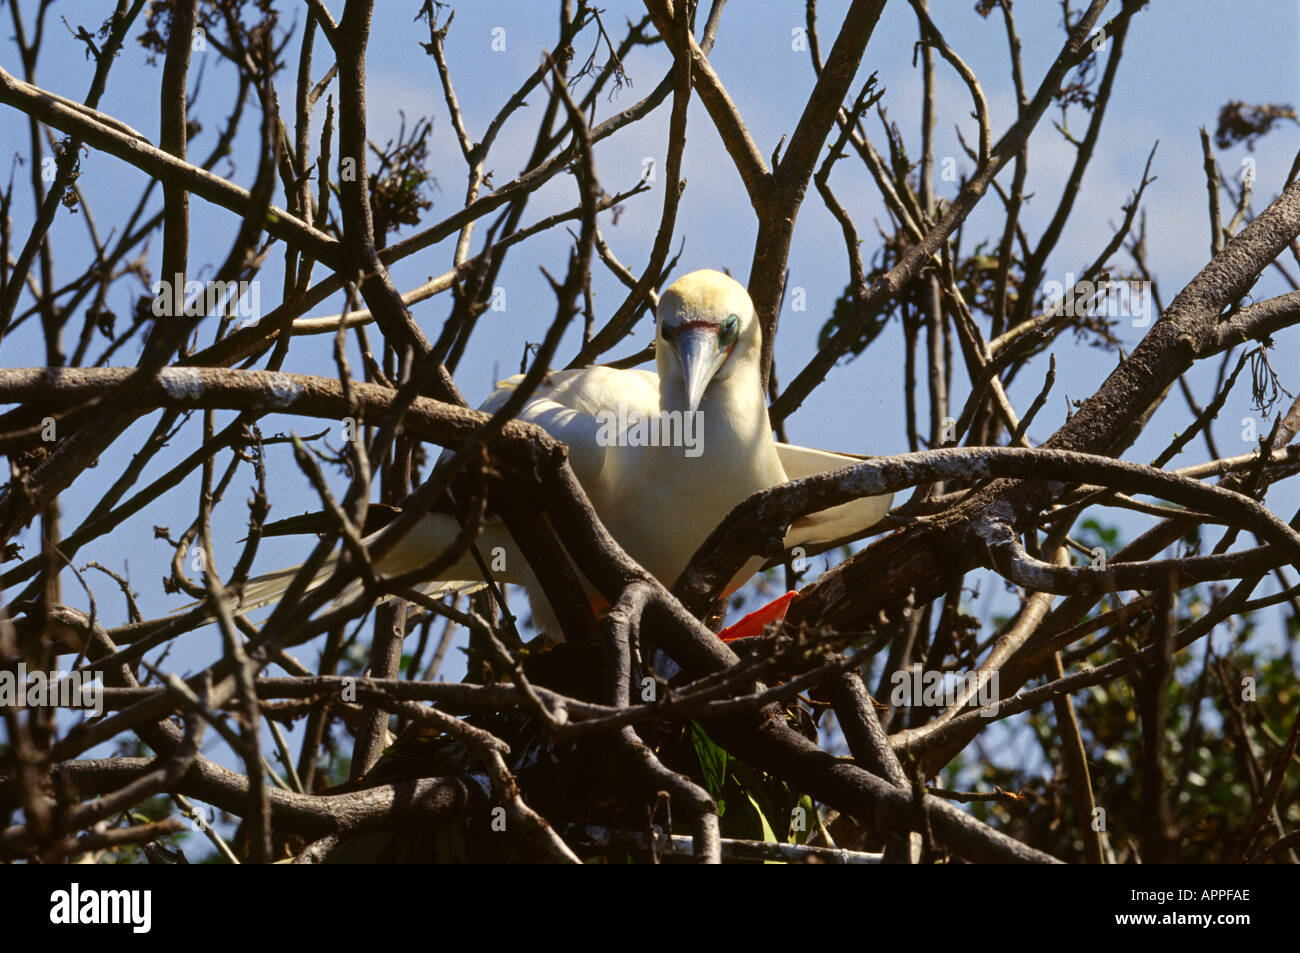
(571, 752)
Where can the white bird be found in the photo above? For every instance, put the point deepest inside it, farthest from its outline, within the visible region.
(658, 501)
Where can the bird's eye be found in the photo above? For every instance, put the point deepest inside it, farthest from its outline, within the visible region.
(670, 334)
(730, 328)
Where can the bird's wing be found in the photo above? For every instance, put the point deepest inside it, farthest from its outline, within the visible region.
(568, 405)
(565, 405)
(838, 522)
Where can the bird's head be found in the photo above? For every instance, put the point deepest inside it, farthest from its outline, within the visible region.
(706, 332)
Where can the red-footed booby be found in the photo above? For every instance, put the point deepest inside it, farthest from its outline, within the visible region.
(663, 457)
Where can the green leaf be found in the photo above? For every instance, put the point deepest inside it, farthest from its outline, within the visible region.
(713, 762)
(810, 818)
(768, 833)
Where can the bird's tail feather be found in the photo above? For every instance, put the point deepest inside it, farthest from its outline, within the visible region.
(269, 588)
(433, 533)
(263, 590)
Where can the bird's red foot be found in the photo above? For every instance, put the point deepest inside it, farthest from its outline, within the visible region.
(754, 623)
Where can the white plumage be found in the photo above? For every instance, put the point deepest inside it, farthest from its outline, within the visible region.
(659, 502)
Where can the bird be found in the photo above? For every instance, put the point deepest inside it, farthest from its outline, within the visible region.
(663, 455)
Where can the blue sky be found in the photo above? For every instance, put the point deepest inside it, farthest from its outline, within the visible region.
(1183, 61)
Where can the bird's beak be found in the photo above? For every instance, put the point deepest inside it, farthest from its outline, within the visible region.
(700, 357)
